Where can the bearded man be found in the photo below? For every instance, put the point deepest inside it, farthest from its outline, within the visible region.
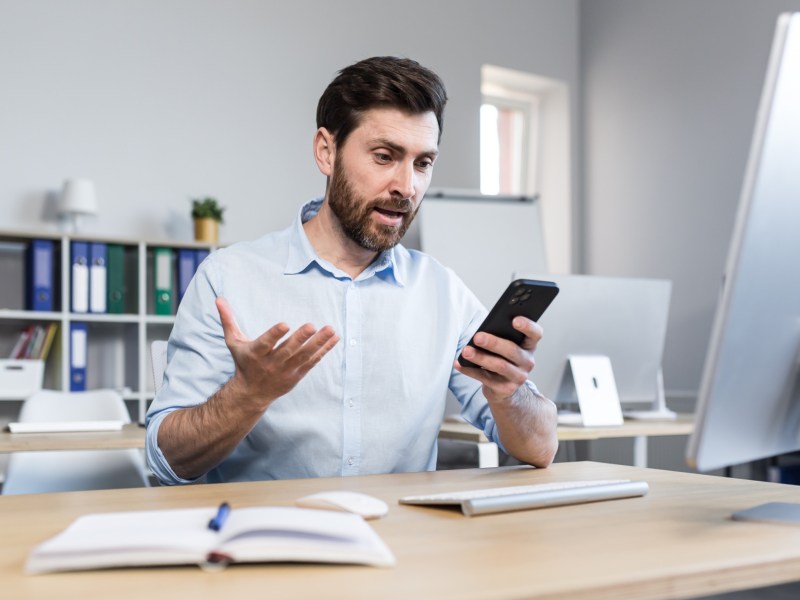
(327, 348)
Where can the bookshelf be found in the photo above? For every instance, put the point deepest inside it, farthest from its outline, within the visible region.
(118, 345)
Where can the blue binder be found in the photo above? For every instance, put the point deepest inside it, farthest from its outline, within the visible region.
(78, 355)
(79, 280)
(39, 268)
(186, 268)
(98, 277)
(200, 256)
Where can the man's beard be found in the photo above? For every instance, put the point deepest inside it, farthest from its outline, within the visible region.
(355, 214)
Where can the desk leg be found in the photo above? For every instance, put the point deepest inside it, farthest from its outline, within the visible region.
(640, 451)
(488, 455)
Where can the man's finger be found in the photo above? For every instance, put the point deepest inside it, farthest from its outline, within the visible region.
(266, 342)
(532, 330)
(230, 328)
(300, 354)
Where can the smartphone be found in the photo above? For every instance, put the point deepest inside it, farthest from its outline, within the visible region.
(526, 297)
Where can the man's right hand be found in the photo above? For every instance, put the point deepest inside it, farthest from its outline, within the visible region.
(195, 440)
(267, 368)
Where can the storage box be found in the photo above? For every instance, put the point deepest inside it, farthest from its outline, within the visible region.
(20, 378)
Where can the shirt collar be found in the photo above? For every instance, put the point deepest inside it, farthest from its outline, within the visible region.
(302, 256)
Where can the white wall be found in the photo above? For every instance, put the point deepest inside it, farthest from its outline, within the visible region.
(159, 101)
(670, 96)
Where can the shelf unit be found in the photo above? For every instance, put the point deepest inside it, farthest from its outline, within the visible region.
(118, 347)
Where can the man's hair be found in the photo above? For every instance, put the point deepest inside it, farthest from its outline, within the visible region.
(379, 82)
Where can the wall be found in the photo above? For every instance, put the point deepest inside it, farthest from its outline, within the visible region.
(161, 101)
(670, 97)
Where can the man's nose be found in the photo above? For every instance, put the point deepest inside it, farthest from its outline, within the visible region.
(403, 183)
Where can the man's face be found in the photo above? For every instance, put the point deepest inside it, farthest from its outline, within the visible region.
(381, 174)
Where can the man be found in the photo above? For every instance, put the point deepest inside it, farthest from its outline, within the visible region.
(327, 348)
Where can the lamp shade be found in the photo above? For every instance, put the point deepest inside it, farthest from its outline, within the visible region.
(78, 197)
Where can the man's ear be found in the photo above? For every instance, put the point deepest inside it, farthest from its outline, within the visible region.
(324, 151)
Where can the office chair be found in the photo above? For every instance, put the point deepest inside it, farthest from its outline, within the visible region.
(62, 471)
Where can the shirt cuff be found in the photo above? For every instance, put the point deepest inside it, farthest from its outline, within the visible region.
(155, 458)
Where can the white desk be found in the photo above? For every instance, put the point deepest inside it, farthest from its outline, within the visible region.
(638, 430)
(130, 436)
(133, 436)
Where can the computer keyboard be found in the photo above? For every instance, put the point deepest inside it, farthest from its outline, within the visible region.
(541, 495)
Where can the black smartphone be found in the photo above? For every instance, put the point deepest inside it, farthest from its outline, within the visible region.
(526, 297)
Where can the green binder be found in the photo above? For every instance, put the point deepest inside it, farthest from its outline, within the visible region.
(117, 288)
(164, 282)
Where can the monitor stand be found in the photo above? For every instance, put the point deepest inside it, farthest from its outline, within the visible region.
(589, 381)
(659, 411)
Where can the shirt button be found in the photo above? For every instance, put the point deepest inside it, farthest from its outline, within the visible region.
(352, 404)
(350, 462)
(353, 342)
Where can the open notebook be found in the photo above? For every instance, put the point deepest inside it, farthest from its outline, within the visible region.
(184, 536)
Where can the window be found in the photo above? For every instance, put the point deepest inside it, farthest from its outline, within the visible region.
(526, 150)
(509, 140)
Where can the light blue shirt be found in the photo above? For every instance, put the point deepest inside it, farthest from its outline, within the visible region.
(373, 404)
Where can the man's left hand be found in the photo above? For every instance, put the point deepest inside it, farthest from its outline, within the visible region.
(505, 365)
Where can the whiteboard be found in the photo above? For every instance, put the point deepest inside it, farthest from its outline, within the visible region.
(484, 239)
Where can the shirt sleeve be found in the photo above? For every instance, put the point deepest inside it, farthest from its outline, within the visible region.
(198, 364)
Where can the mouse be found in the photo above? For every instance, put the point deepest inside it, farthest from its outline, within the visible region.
(357, 503)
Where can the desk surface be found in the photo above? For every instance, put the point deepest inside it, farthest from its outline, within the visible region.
(676, 542)
(130, 436)
(683, 425)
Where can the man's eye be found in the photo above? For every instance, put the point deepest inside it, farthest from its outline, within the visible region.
(425, 164)
(382, 157)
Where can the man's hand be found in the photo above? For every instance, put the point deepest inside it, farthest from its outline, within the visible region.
(526, 421)
(505, 365)
(266, 367)
(196, 439)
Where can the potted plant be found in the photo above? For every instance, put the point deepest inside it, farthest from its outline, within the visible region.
(207, 215)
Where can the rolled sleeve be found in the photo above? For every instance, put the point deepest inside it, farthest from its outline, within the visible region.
(155, 458)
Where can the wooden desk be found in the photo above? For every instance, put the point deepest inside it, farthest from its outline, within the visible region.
(131, 436)
(677, 542)
(639, 430)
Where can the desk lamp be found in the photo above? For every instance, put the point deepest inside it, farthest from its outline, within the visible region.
(77, 198)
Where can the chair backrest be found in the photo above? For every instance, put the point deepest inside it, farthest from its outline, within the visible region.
(96, 405)
(158, 356)
(62, 471)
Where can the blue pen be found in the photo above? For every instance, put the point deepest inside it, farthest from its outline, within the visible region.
(218, 521)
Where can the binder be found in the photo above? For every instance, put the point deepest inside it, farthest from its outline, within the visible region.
(163, 280)
(98, 278)
(39, 271)
(117, 289)
(186, 267)
(200, 256)
(78, 353)
(80, 277)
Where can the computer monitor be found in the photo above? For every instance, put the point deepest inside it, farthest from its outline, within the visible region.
(748, 406)
(622, 318)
